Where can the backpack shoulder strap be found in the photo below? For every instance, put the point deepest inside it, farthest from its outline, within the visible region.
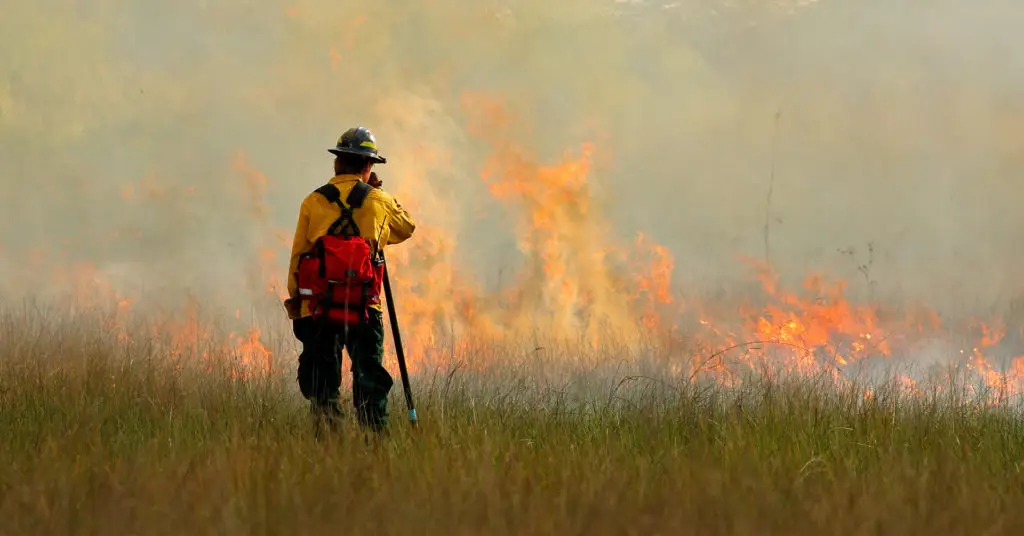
(358, 194)
(329, 191)
(346, 223)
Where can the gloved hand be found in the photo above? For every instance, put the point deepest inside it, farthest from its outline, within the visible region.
(374, 180)
(294, 308)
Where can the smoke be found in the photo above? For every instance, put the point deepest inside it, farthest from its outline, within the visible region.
(170, 143)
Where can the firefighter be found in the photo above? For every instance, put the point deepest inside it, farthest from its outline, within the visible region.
(380, 216)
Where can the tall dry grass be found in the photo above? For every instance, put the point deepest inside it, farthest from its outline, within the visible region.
(106, 437)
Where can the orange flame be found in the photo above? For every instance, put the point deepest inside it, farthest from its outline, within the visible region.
(575, 283)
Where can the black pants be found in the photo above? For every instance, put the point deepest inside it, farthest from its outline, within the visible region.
(319, 373)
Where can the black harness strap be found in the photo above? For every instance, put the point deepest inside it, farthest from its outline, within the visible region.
(346, 223)
(358, 194)
(329, 191)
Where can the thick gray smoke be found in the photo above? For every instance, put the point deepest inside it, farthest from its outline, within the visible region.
(130, 132)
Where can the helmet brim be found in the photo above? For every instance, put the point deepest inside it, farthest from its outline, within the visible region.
(377, 159)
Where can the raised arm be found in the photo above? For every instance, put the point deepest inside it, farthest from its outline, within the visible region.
(400, 223)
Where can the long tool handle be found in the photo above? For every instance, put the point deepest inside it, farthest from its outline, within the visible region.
(398, 345)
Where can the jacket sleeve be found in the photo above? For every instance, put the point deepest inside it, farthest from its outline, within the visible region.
(300, 244)
(400, 223)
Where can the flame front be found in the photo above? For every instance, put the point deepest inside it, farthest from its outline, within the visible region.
(567, 287)
(575, 284)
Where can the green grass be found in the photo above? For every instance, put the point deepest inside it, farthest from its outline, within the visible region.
(98, 439)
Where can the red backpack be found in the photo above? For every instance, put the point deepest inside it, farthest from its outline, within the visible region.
(341, 276)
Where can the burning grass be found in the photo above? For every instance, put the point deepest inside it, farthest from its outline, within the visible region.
(106, 434)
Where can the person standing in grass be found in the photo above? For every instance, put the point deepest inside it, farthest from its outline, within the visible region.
(380, 220)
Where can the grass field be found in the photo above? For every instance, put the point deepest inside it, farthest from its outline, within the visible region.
(102, 439)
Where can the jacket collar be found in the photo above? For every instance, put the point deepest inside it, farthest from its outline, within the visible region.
(337, 179)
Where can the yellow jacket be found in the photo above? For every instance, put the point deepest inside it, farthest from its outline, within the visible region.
(316, 215)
